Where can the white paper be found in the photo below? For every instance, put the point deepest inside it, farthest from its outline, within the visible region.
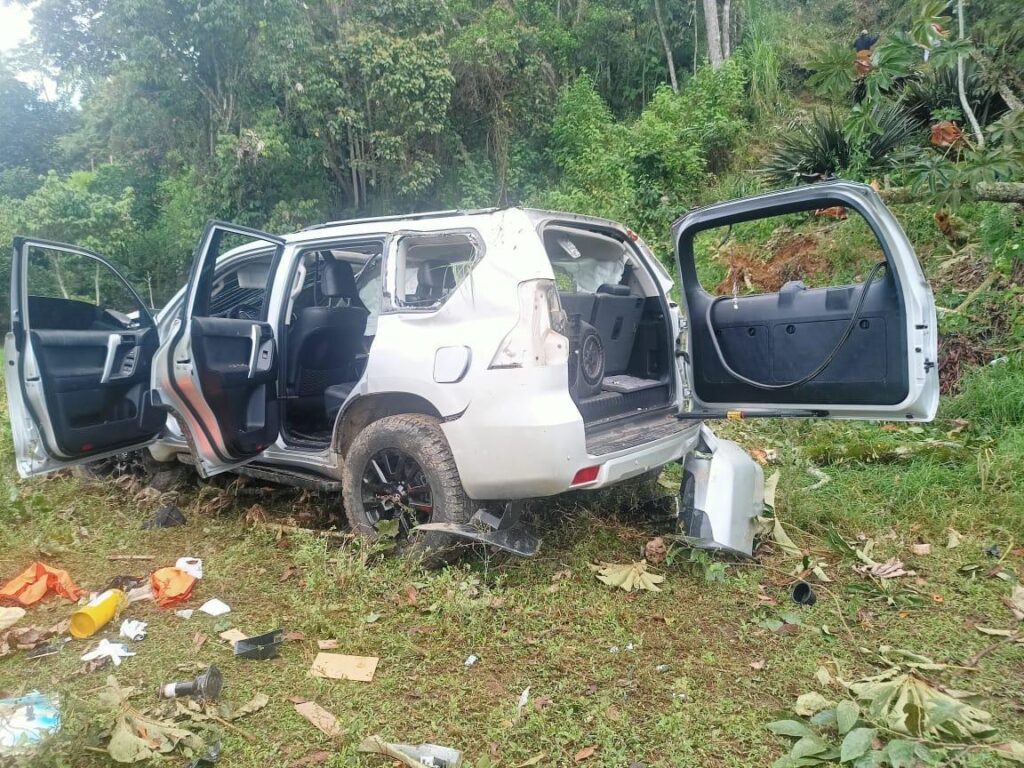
(215, 607)
(185, 613)
(117, 652)
(133, 629)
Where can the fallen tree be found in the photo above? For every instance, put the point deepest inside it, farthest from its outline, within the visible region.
(987, 191)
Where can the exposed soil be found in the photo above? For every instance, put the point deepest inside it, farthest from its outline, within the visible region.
(787, 256)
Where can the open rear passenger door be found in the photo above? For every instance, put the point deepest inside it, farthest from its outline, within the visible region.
(78, 359)
(218, 372)
(862, 351)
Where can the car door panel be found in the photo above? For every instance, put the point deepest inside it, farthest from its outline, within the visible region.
(870, 349)
(78, 372)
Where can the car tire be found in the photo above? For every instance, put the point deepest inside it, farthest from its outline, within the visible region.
(419, 438)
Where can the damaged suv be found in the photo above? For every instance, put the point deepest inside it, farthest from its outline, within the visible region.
(436, 368)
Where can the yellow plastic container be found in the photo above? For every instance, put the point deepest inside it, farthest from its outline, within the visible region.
(97, 613)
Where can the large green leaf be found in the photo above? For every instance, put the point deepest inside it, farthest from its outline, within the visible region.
(793, 728)
(847, 713)
(856, 743)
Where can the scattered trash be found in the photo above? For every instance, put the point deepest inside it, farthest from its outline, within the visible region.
(171, 586)
(921, 549)
(215, 607)
(470, 660)
(10, 616)
(29, 638)
(26, 720)
(36, 582)
(50, 648)
(136, 736)
(662, 668)
(413, 756)
(617, 649)
(993, 551)
(890, 569)
(208, 758)
(185, 613)
(955, 537)
(142, 592)
(803, 594)
(524, 697)
(116, 652)
(97, 613)
(327, 645)
(655, 551)
(206, 686)
(233, 636)
(193, 566)
(259, 647)
(165, 517)
(133, 629)
(320, 719)
(628, 576)
(338, 666)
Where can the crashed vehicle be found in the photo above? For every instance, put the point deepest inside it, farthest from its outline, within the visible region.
(438, 369)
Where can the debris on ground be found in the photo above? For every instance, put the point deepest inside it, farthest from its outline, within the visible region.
(470, 660)
(28, 638)
(259, 647)
(136, 736)
(319, 757)
(993, 551)
(628, 576)
(26, 720)
(955, 537)
(1015, 602)
(10, 616)
(193, 566)
(892, 568)
(233, 636)
(320, 719)
(413, 756)
(208, 758)
(171, 586)
(655, 551)
(133, 629)
(338, 666)
(921, 549)
(116, 652)
(207, 686)
(215, 607)
(583, 754)
(327, 645)
(97, 613)
(524, 699)
(255, 704)
(803, 594)
(36, 582)
(185, 613)
(165, 517)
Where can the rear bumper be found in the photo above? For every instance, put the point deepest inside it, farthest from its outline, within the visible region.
(516, 447)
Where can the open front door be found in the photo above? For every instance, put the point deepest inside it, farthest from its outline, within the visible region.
(77, 359)
(861, 351)
(217, 370)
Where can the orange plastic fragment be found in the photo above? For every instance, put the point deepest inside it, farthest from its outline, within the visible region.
(171, 586)
(35, 582)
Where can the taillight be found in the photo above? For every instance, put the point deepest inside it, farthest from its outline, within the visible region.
(535, 340)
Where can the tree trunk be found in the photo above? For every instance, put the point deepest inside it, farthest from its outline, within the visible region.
(987, 191)
(669, 61)
(726, 28)
(979, 137)
(713, 34)
(1011, 99)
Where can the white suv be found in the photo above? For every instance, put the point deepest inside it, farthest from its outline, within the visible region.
(435, 367)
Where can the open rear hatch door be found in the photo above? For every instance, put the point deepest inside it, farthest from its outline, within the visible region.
(219, 372)
(861, 351)
(78, 359)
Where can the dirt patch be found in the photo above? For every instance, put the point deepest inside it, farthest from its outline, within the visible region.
(786, 256)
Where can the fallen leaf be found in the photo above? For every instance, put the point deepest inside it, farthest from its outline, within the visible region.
(1016, 602)
(890, 569)
(198, 639)
(313, 758)
(628, 576)
(412, 595)
(293, 636)
(290, 571)
(954, 539)
(532, 761)
(320, 719)
(297, 699)
(371, 618)
(758, 664)
(327, 645)
(542, 702)
(255, 704)
(338, 666)
(583, 754)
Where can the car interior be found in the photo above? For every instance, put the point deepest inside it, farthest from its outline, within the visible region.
(619, 339)
(92, 343)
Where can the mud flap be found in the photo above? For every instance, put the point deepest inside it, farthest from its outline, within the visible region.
(721, 494)
(506, 531)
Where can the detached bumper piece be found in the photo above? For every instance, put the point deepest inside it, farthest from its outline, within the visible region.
(721, 495)
(506, 531)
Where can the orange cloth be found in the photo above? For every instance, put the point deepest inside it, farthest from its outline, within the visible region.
(171, 586)
(35, 582)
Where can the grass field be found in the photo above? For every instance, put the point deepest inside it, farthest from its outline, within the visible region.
(703, 674)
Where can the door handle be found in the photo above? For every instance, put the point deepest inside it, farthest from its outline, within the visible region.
(113, 343)
(254, 337)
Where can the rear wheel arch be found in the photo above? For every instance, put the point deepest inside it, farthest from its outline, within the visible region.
(367, 409)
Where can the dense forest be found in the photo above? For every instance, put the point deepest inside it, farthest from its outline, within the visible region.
(278, 114)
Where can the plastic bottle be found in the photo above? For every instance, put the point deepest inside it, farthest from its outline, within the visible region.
(97, 613)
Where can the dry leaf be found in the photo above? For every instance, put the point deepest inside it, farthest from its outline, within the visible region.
(297, 699)
(313, 758)
(890, 569)
(290, 571)
(320, 718)
(255, 704)
(293, 636)
(1016, 602)
(198, 639)
(542, 702)
(655, 551)
(954, 538)
(338, 666)
(412, 594)
(628, 576)
(532, 761)
(583, 754)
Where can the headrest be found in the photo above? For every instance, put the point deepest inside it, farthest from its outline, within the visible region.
(337, 280)
(613, 290)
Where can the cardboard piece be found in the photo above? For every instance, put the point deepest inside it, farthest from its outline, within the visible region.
(338, 666)
(233, 635)
(320, 718)
(327, 645)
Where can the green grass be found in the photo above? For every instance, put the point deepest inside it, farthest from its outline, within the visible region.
(548, 624)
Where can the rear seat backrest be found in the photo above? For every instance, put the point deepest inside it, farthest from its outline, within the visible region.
(581, 304)
(616, 316)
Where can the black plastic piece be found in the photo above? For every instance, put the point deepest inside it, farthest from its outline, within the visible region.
(260, 647)
(506, 532)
